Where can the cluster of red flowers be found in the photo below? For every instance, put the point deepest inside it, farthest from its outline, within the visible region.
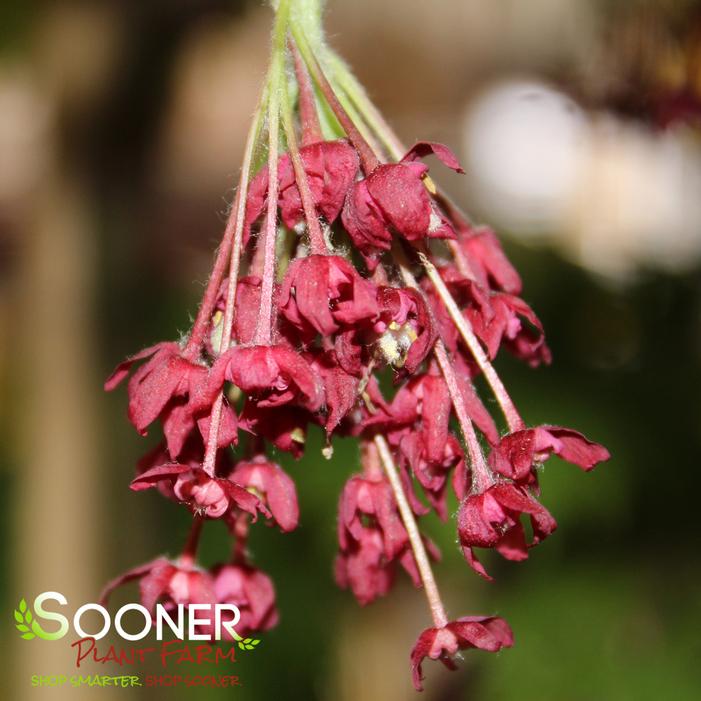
(345, 272)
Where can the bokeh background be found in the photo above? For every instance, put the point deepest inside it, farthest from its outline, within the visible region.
(121, 129)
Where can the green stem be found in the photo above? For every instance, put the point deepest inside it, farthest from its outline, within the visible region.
(307, 15)
(238, 216)
(270, 92)
(358, 119)
(263, 334)
(368, 158)
(370, 114)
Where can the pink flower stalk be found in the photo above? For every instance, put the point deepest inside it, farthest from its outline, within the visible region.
(341, 264)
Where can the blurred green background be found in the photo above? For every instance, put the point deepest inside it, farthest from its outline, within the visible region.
(121, 130)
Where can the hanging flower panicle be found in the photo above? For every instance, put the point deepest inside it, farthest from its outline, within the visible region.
(380, 277)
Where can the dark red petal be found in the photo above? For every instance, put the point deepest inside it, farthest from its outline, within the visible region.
(277, 486)
(474, 526)
(247, 304)
(156, 582)
(200, 589)
(365, 570)
(577, 449)
(252, 591)
(305, 295)
(151, 477)
(282, 499)
(473, 561)
(243, 499)
(122, 370)
(543, 525)
(475, 634)
(341, 392)
(364, 221)
(488, 630)
(154, 384)
(331, 167)
(256, 198)
(284, 426)
(228, 427)
(278, 374)
(514, 455)
(462, 480)
(129, 576)
(488, 261)
(398, 191)
(385, 508)
(292, 365)
(418, 653)
(435, 416)
(512, 545)
(348, 508)
(421, 149)
(177, 422)
(516, 500)
(260, 593)
(325, 292)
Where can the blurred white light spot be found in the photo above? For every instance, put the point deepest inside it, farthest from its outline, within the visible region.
(613, 195)
(637, 202)
(523, 141)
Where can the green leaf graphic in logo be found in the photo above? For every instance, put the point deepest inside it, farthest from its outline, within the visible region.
(29, 627)
(246, 643)
(23, 618)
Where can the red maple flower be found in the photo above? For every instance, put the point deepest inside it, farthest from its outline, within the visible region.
(340, 388)
(487, 261)
(492, 519)
(165, 375)
(393, 197)
(489, 633)
(501, 321)
(168, 582)
(271, 375)
(518, 453)
(284, 427)
(330, 167)
(363, 567)
(202, 494)
(324, 294)
(407, 332)
(252, 591)
(274, 487)
(365, 499)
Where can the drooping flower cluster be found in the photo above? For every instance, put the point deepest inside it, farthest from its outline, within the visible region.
(348, 294)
